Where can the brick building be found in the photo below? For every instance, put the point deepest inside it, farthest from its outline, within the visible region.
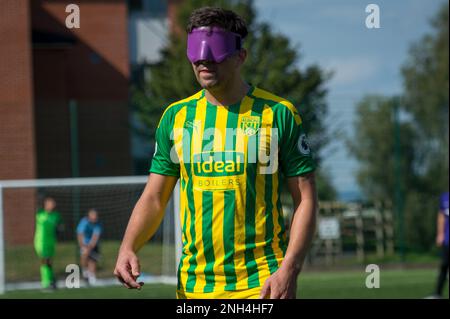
(46, 67)
(64, 93)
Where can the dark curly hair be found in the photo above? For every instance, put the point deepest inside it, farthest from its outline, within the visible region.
(218, 17)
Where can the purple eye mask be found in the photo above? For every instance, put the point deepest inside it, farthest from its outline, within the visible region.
(212, 44)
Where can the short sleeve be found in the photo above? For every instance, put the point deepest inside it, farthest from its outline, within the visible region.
(81, 226)
(162, 162)
(295, 153)
(97, 229)
(444, 202)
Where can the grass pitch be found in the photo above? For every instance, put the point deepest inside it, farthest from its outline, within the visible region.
(394, 284)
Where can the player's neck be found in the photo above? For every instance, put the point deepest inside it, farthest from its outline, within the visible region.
(227, 95)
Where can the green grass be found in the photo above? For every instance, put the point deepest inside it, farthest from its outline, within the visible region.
(415, 278)
(22, 264)
(396, 284)
(152, 291)
(429, 258)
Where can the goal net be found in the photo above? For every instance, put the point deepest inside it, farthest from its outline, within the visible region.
(113, 198)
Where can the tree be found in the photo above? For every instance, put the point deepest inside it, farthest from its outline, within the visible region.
(374, 147)
(419, 173)
(172, 78)
(426, 83)
(384, 148)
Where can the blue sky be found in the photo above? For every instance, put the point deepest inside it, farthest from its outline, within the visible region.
(332, 33)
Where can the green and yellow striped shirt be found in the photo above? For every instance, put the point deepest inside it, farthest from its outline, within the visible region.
(228, 159)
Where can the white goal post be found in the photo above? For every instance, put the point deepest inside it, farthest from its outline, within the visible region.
(93, 182)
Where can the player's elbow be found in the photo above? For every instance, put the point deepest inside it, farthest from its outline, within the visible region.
(153, 202)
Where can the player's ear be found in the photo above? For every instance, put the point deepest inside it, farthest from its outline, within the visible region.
(242, 56)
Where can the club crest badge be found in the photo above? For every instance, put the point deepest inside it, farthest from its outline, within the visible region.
(250, 125)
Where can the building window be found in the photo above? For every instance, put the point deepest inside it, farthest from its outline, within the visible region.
(156, 8)
(135, 5)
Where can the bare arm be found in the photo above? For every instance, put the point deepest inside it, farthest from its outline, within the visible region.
(303, 191)
(283, 283)
(144, 221)
(94, 240)
(440, 228)
(80, 239)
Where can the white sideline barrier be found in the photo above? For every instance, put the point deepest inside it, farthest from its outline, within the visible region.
(103, 282)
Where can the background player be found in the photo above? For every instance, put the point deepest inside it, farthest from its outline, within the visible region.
(48, 220)
(89, 231)
(442, 239)
(234, 243)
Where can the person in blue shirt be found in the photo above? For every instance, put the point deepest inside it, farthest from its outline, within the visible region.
(89, 231)
(442, 240)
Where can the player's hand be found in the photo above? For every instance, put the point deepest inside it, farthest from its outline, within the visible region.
(85, 250)
(281, 285)
(127, 270)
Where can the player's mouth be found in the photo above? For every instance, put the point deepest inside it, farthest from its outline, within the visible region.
(206, 71)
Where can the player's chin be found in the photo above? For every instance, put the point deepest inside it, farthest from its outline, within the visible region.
(209, 86)
(208, 83)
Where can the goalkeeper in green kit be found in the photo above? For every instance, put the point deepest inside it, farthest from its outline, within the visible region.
(48, 220)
